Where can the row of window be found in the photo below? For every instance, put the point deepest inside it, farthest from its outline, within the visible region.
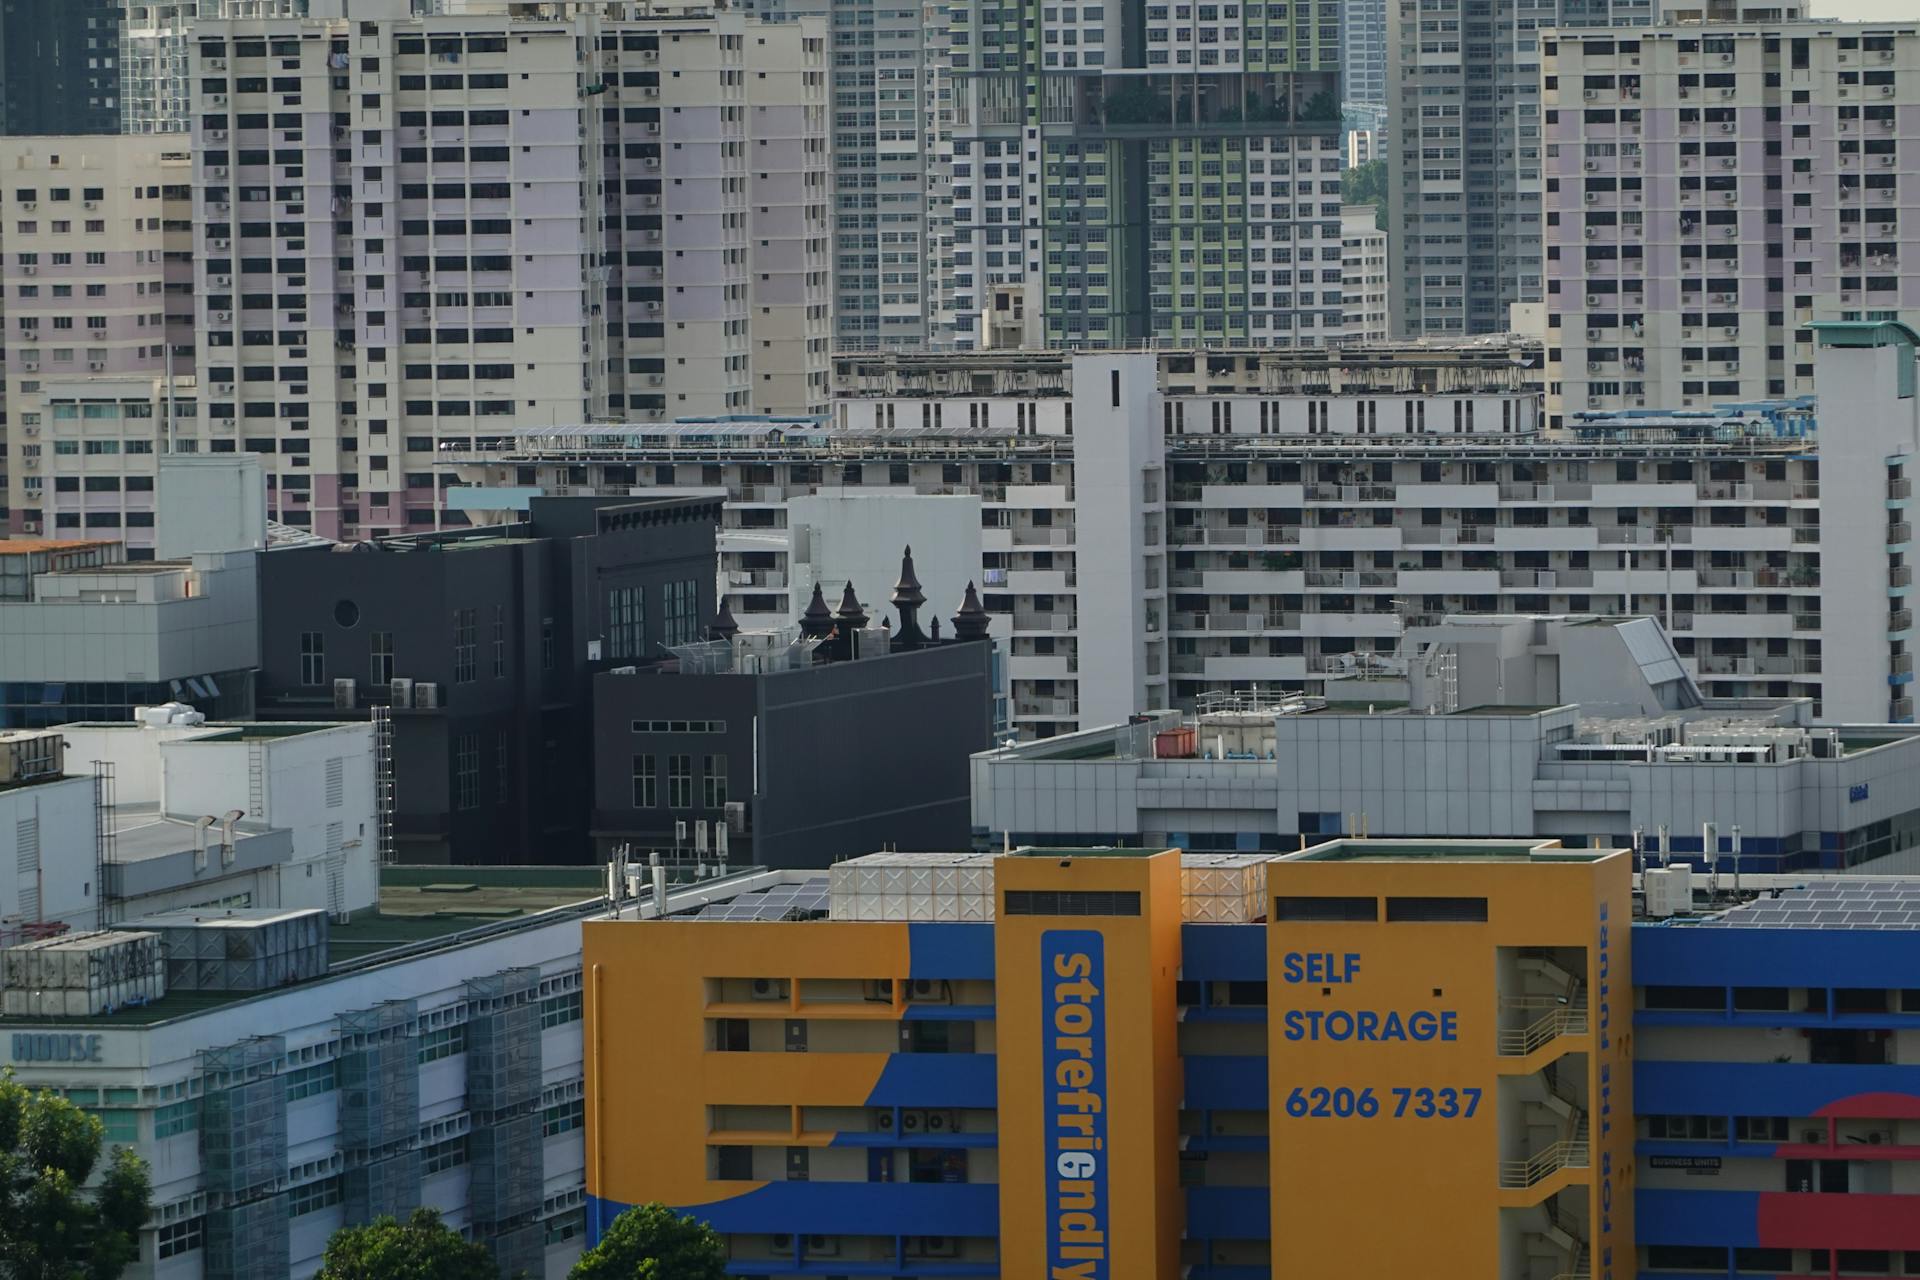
(679, 726)
(646, 780)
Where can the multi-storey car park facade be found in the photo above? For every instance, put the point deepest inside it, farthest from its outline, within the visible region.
(1148, 171)
(1272, 519)
(1713, 190)
(96, 272)
(391, 250)
(1161, 1063)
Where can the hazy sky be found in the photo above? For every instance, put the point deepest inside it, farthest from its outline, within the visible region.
(1865, 10)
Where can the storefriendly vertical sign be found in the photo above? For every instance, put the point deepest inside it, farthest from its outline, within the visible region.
(1073, 1034)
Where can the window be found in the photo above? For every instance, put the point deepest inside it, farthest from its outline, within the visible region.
(313, 1196)
(680, 782)
(321, 1077)
(503, 767)
(464, 657)
(1448, 910)
(546, 644)
(380, 658)
(176, 1118)
(713, 780)
(499, 641)
(466, 771)
(1299, 908)
(121, 1126)
(557, 1010)
(681, 624)
(645, 794)
(444, 1155)
(626, 621)
(443, 1042)
(563, 1118)
(180, 1237)
(1047, 902)
(313, 658)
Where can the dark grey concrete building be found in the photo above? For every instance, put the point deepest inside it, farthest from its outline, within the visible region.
(59, 66)
(485, 643)
(828, 739)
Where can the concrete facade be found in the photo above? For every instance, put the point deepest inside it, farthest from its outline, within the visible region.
(463, 298)
(483, 646)
(1712, 191)
(1363, 266)
(821, 758)
(1142, 176)
(95, 275)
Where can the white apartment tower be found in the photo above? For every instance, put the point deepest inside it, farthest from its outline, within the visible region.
(1363, 264)
(1712, 191)
(95, 281)
(393, 257)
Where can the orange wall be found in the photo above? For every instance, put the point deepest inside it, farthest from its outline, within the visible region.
(1436, 1192)
(1143, 1211)
(649, 1075)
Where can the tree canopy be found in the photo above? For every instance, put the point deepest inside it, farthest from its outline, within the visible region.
(1367, 184)
(421, 1248)
(51, 1226)
(652, 1242)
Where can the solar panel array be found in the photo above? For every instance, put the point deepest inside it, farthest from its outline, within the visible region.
(801, 900)
(1865, 902)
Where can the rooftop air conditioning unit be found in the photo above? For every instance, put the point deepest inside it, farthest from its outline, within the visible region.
(223, 317)
(343, 693)
(823, 1247)
(1887, 160)
(1732, 366)
(1592, 196)
(1593, 299)
(1726, 57)
(426, 696)
(1592, 232)
(402, 692)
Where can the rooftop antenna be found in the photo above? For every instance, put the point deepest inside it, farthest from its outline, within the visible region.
(1666, 847)
(1736, 859)
(1710, 846)
(1639, 850)
(659, 885)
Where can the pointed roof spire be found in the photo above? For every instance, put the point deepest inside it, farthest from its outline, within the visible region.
(850, 613)
(907, 592)
(723, 626)
(817, 621)
(971, 622)
(908, 597)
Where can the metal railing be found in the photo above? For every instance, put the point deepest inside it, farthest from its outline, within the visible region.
(1568, 1018)
(1543, 1164)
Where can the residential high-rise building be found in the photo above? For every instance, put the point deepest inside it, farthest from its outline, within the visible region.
(95, 285)
(392, 250)
(1363, 263)
(1714, 190)
(1142, 171)
(1465, 125)
(1363, 52)
(59, 66)
(155, 95)
(1159, 535)
(892, 155)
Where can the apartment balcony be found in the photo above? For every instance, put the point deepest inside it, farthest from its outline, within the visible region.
(1347, 494)
(1899, 533)
(1710, 664)
(1041, 537)
(1900, 575)
(1030, 620)
(1351, 580)
(763, 579)
(1900, 620)
(1899, 490)
(1901, 664)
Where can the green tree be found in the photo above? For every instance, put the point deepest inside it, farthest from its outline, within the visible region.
(421, 1248)
(1367, 184)
(51, 1226)
(652, 1242)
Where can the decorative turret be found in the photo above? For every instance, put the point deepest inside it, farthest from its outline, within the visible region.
(972, 621)
(817, 621)
(907, 598)
(849, 616)
(723, 627)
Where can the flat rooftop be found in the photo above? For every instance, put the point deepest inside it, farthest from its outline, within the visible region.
(1445, 851)
(421, 909)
